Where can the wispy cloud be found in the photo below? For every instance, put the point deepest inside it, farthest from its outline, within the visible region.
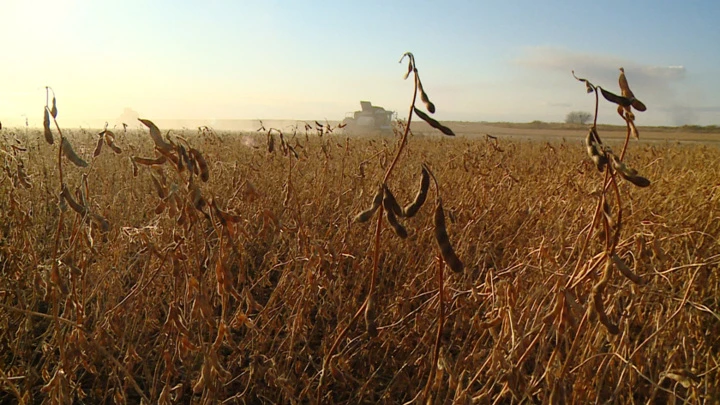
(600, 68)
(687, 115)
(665, 89)
(560, 104)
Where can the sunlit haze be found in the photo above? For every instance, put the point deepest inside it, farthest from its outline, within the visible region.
(479, 61)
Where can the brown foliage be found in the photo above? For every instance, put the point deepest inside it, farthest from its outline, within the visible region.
(243, 302)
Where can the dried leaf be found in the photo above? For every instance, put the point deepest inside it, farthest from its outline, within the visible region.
(684, 377)
(588, 86)
(409, 70)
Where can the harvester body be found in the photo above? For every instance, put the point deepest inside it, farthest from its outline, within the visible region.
(370, 119)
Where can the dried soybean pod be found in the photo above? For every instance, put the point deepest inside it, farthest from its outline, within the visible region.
(624, 86)
(115, 148)
(614, 98)
(98, 148)
(70, 153)
(621, 167)
(638, 105)
(134, 167)
(598, 304)
(292, 149)
(156, 136)
(593, 151)
(600, 161)
(434, 123)
(100, 222)
(368, 213)
(110, 140)
(169, 155)
(625, 270)
(629, 173)
(160, 208)
(412, 209)
(270, 142)
(201, 163)
(600, 309)
(410, 69)
(370, 315)
(46, 127)
(626, 92)
(190, 161)
(425, 99)
(390, 203)
(23, 177)
(443, 240)
(607, 212)
(391, 207)
(158, 187)
(196, 196)
(73, 204)
(639, 181)
(183, 160)
(223, 216)
(396, 226)
(149, 162)
(53, 111)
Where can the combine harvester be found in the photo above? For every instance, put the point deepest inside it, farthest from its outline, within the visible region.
(371, 119)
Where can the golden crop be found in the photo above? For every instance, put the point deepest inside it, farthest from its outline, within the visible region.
(161, 301)
(220, 269)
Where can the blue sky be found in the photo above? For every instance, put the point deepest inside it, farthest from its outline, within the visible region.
(479, 61)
